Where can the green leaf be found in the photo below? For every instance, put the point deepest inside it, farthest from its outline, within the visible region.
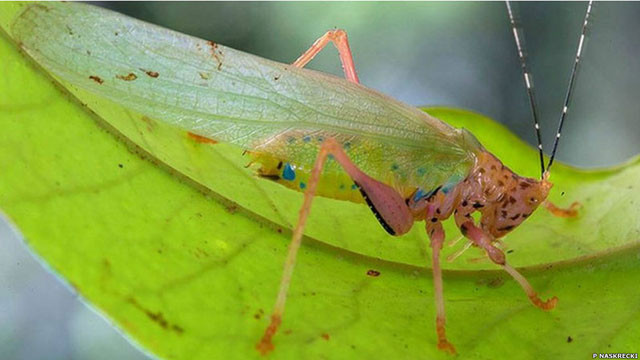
(183, 247)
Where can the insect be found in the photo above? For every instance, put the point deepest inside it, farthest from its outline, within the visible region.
(406, 165)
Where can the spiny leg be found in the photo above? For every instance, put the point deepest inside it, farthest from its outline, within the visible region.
(387, 204)
(480, 239)
(455, 241)
(339, 39)
(571, 211)
(455, 255)
(436, 234)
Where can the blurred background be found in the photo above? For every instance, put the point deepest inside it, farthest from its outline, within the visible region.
(453, 54)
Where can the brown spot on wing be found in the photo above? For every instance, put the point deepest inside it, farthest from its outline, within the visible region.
(96, 79)
(213, 46)
(151, 125)
(128, 77)
(201, 139)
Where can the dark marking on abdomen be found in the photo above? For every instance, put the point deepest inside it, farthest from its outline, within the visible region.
(381, 220)
(272, 177)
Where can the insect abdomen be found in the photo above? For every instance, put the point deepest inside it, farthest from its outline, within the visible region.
(333, 185)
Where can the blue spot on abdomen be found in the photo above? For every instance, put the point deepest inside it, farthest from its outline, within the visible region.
(288, 173)
(418, 195)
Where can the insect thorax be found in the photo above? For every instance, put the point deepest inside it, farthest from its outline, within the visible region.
(504, 198)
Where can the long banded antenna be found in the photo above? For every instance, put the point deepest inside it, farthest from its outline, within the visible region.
(574, 70)
(527, 81)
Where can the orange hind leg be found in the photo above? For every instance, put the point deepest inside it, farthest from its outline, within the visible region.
(383, 199)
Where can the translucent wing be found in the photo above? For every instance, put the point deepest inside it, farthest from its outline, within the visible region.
(234, 97)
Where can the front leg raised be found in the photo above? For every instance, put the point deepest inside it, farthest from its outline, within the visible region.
(484, 241)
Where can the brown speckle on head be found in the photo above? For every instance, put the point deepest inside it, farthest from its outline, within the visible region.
(504, 198)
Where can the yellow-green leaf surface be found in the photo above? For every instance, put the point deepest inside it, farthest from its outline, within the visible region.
(182, 246)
